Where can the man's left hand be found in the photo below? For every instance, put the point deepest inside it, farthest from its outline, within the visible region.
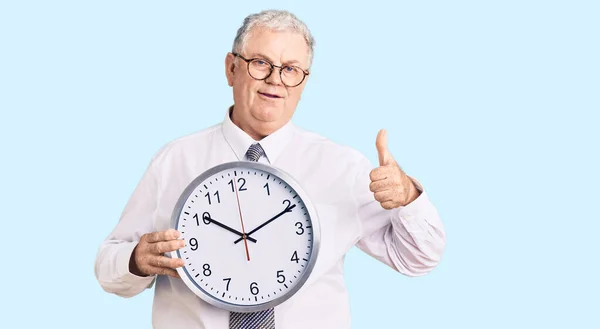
(391, 186)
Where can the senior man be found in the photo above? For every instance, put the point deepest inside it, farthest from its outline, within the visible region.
(380, 210)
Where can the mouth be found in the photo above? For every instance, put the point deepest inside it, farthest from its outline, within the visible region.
(269, 95)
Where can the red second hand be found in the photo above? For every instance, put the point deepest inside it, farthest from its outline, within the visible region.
(241, 220)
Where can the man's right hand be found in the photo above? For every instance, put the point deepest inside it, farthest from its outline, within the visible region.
(147, 257)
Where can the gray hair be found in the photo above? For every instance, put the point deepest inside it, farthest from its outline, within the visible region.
(277, 20)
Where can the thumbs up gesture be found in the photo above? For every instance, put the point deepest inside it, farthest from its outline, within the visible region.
(391, 186)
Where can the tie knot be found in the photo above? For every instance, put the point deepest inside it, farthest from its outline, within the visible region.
(255, 151)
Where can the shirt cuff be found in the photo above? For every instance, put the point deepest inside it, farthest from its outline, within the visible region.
(413, 215)
(123, 272)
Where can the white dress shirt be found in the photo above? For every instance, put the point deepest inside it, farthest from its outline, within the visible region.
(409, 239)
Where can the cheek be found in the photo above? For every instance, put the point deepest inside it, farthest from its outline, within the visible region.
(292, 99)
(245, 91)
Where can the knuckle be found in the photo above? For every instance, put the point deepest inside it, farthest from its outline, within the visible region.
(146, 247)
(378, 196)
(378, 172)
(372, 187)
(372, 174)
(387, 204)
(156, 248)
(143, 260)
(151, 237)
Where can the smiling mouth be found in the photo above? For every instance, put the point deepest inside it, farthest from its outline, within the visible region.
(269, 95)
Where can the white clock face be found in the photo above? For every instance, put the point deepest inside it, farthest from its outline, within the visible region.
(250, 236)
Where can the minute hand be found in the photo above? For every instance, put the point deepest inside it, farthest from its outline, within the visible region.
(287, 209)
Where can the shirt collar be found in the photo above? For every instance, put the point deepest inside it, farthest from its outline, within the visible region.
(240, 141)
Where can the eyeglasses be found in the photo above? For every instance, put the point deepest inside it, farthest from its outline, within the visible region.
(261, 69)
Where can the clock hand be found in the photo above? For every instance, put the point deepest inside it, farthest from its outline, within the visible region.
(212, 220)
(241, 220)
(287, 209)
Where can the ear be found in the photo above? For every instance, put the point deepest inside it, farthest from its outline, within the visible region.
(229, 68)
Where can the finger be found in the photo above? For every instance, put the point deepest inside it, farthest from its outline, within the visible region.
(382, 185)
(166, 246)
(162, 261)
(390, 204)
(378, 173)
(169, 234)
(385, 158)
(384, 196)
(163, 271)
(381, 173)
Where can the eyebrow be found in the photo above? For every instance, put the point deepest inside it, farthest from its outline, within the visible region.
(293, 61)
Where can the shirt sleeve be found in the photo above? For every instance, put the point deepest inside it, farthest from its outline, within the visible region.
(410, 239)
(112, 260)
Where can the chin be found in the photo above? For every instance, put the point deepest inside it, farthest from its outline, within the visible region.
(268, 114)
(268, 124)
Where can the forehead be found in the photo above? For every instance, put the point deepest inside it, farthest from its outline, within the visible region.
(278, 46)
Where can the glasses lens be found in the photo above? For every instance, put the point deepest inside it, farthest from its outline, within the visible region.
(291, 75)
(259, 69)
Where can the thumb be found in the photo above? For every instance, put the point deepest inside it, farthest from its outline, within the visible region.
(385, 157)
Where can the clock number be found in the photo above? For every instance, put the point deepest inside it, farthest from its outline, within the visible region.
(280, 276)
(267, 187)
(205, 218)
(295, 257)
(216, 194)
(228, 281)
(242, 188)
(299, 226)
(254, 288)
(288, 207)
(207, 271)
(194, 244)
(243, 182)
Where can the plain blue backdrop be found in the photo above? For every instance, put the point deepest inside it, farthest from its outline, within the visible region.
(492, 105)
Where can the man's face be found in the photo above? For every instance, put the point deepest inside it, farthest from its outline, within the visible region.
(263, 106)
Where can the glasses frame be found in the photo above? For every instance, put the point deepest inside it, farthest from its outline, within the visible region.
(272, 66)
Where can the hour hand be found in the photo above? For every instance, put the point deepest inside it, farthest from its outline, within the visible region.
(207, 220)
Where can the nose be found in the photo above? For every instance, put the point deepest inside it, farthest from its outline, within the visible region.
(274, 78)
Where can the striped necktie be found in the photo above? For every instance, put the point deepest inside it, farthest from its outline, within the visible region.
(255, 151)
(262, 319)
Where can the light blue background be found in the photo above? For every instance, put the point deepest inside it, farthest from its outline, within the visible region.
(492, 105)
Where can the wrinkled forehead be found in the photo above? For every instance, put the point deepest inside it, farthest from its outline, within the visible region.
(278, 46)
